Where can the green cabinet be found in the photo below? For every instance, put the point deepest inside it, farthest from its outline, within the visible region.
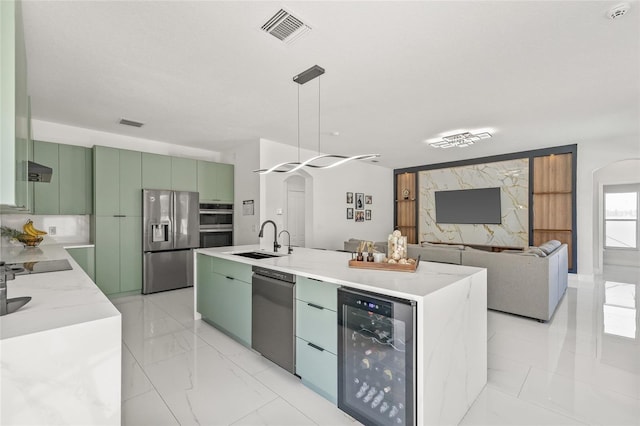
(85, 257)
(14, 104)
(70, 190)
(76, 179)
(117, 182)
(156, 171)
(46, 196)
(118, 219)
(215, 182)
(317, 336)
(118, 254)
(184, 174)
(224, 296)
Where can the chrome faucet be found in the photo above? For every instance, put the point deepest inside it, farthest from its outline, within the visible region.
(276, 246)
(8, 306)
(290, 249)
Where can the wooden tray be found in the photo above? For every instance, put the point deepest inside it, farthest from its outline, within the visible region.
(384, 266)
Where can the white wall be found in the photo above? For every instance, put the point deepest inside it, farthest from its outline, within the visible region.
(593, 155)
(246, 157)
(70, 135)
(326, 209)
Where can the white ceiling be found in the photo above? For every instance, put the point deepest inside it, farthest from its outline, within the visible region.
(202, 74)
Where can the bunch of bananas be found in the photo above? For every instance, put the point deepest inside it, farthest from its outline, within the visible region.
(29, 229)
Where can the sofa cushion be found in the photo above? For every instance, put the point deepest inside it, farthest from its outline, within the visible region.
(549, 247)
(442, 245)
(536, 251)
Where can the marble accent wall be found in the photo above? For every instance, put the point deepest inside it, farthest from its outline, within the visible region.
(511, 176)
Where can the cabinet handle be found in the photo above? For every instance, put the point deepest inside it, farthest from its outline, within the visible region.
(230, 278)
(119, 215)
(315, 279)
(315, 346)
(315, 306)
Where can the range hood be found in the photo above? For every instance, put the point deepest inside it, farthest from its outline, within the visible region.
(39, 173)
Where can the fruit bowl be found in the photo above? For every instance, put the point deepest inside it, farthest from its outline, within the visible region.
(29, 240)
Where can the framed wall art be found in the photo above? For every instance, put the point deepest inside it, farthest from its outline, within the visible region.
(349, 212)
(359, 215)
(349, 197)
(367, 214)
(368, 199)
(359, 201)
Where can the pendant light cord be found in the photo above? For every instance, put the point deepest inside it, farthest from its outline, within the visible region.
(319, 78)
(298, 123)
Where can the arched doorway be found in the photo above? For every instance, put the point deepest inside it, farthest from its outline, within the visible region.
(295, 221)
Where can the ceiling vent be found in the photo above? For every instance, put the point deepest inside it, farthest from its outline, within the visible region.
(285, 27)
(132, 123)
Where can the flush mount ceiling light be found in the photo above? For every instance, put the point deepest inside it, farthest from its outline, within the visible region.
(321, 161)
(459, 139)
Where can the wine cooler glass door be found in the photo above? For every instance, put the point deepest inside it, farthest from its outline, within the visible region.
(376, 358)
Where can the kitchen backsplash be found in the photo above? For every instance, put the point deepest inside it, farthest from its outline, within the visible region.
(68, 229)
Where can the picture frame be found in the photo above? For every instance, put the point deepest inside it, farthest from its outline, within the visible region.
(359, 201)
(349, 197)
(368, 199)
(359, 215)
(349, 212)
(367, 215)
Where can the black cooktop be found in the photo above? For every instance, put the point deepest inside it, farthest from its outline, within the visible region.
(40, 266)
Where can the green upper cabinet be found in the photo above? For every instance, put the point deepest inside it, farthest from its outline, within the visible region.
(215, 182)
(156, 171)
(106, 181)
(184, 174)
(117, 182)
(70, 190)
(46, 196)
(76, 179)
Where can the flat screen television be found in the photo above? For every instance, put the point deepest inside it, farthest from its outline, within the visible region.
(477, 206)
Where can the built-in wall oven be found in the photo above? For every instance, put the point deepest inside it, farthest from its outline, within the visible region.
(216, 225)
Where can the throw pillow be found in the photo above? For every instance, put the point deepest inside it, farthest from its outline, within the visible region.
(549, 247)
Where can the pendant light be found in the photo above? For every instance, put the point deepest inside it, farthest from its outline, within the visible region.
(290, 167)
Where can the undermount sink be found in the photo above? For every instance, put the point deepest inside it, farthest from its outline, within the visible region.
(257, 255)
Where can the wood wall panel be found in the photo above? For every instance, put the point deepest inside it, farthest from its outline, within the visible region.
(552, 173)
(552, 211)
(406, 220)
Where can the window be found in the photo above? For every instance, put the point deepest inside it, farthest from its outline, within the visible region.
(621, 217)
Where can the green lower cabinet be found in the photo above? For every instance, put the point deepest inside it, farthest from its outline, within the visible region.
(317, 325)
(85, 257)
(130, 254)
(225, 301)
(118, 243)
(318, 369)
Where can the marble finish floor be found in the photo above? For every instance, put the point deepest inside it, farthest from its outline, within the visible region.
(583, 367)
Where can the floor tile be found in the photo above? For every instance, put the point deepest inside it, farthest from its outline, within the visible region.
(312, 405)
(147, 409)
(277, 412)
(579, 400)
(134, 380)
(149, 351)
(505, 374)
(202, 386)
(493, 407)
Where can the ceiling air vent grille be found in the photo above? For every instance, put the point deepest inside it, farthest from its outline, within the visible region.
(132, 123)
(285, 27)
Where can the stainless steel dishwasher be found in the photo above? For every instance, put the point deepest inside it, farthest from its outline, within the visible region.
(273, 316)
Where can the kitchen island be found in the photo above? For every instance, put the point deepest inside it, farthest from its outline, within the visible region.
(451, 317)
(60, 354)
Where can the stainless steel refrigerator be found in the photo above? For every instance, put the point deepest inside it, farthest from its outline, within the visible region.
(170, 232)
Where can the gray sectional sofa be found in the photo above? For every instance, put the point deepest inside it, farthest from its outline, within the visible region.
(530, 283)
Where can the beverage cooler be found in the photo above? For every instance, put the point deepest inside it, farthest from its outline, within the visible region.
(376, 358)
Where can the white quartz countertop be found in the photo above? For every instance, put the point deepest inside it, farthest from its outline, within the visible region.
(333, 266)
(58, 299)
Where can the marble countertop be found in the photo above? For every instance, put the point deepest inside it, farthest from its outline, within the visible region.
(332, 266)
(58, 299)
